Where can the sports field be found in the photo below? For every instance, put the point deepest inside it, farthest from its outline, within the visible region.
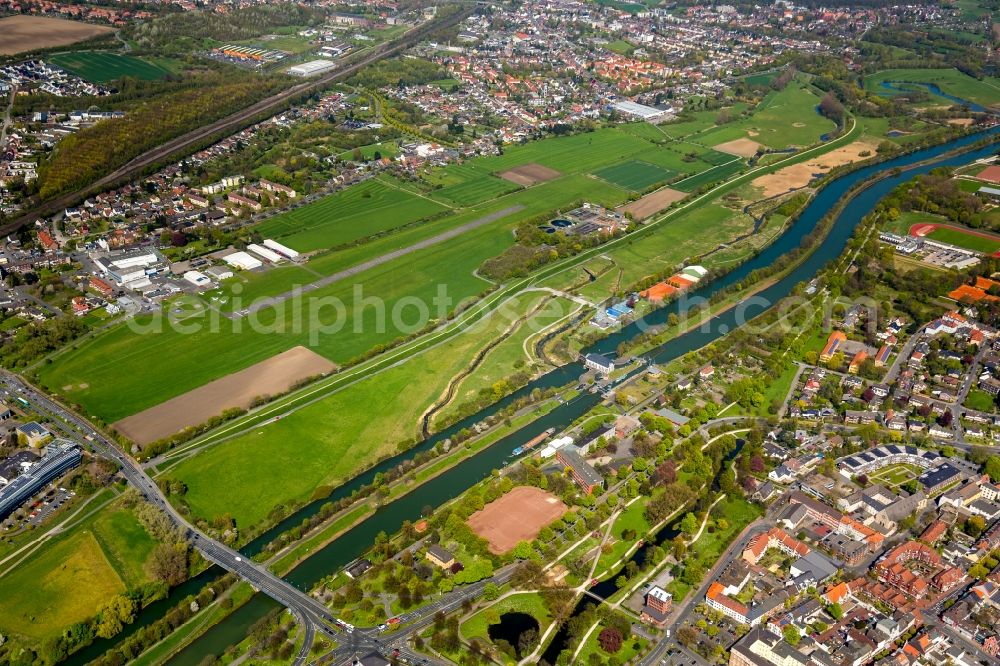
(100, 67)
(978, 241)
(635, 175)
(74, 574)
(368, 208)
(515, 517)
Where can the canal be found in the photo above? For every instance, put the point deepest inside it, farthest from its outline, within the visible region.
(453, 482)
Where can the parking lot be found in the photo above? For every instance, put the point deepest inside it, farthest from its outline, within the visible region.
(40, 509)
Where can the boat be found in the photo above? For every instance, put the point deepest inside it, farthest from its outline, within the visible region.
(527, 446)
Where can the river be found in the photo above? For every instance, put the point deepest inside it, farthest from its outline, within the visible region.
(453, 482)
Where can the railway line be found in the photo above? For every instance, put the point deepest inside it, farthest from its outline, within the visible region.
(234, 122)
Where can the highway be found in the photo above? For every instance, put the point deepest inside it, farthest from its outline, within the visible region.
(196, 138)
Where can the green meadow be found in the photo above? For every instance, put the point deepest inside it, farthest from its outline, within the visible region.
(326, 442)
(72, 575)
(101, 67)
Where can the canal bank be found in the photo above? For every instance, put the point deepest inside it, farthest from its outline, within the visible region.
(355, 541)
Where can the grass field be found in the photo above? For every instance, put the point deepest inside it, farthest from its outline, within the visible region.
(635, 175)
(713, 175)
(476, 190)
(101, 67)
(365, 209)
(74, 574)
(327, 442)
(507, 355)
(962, 239)
(950, 81)
(110, 374)
(893, 476)
(633, 518)
(531, 603)
(788, 117)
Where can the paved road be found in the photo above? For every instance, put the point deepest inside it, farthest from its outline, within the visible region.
(363, 641)
(312, 614)
(378, 261)
(676, 619)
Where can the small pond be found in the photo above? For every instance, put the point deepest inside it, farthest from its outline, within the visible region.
(511, 627)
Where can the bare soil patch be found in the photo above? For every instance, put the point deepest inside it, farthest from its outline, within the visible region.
(740, 147)
(961, 122)
(29, 33)
(272, 376)
(799, 175)
(652, 203)
(517, 516)
(529, 174)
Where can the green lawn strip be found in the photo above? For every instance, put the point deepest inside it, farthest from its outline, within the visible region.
(240, 593)
(531, 603)
(777, 390)
(304, 548)
(632, 518)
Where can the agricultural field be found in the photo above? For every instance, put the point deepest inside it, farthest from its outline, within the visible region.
(329, 441)
(950, 81)
(368, 208)
(74, 574)
(101, 67)
(33, 33)
(635, 175)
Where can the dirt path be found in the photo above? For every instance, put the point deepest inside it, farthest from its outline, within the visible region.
(449, 392)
